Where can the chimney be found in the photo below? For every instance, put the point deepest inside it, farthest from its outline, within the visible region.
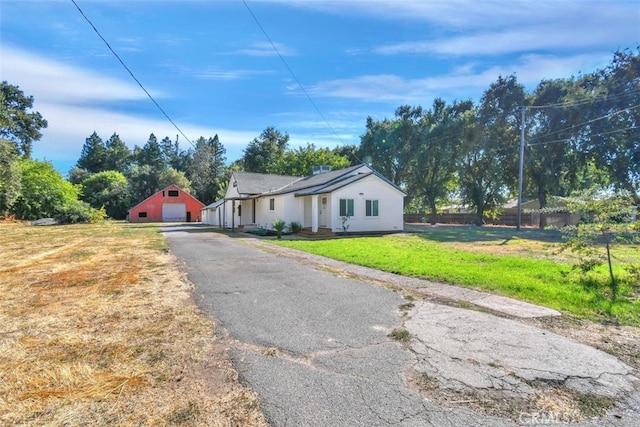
(317, 170)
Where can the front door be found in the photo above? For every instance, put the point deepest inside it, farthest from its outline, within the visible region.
(322, 211)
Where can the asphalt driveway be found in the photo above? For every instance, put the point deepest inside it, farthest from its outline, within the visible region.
(314, 345)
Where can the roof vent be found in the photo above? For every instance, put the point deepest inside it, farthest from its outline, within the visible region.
(317, 170)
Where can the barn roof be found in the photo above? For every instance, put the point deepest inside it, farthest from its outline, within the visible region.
(170, 187)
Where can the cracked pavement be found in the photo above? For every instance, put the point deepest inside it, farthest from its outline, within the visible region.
(313, 345)
(473, 352)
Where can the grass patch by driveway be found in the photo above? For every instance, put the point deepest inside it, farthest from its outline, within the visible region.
(526, 266)
(97, 327)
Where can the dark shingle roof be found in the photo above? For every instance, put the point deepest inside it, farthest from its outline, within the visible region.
(253, 184)
(257, 183)
(317, 181)
(332, 185)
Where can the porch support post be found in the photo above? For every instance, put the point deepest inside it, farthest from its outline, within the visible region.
(233, 215)
(314, 214)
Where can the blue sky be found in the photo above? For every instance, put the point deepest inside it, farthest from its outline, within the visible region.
(212, 69)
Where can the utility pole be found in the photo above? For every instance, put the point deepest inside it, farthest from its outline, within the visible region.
(521, 169)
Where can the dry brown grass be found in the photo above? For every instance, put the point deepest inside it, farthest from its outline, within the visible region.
(97, 327)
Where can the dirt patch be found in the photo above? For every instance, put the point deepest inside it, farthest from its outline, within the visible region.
(507, 368)
(551, 404)
(97, 327)
(620, 341)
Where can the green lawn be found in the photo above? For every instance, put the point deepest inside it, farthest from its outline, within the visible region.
(523, 265)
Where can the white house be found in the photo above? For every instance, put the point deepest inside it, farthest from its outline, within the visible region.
(355, 199)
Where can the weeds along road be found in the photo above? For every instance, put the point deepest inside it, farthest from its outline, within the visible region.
(315, 348)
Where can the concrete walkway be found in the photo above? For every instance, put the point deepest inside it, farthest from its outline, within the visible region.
(314, 344)
(485, 300)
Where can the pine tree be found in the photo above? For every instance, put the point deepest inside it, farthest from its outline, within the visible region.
(94, 154)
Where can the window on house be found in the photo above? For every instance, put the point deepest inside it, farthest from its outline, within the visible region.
(173, 193)
(142, 214)
(240, 210)
(272, 204)
(346, 207)
(371, 208)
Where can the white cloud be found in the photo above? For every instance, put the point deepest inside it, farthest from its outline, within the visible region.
(537, 38)
(214, 73)
(69, 126)
(71, 98)
(461, 83)
(50, 81)
(265, 49)
(487, 14)
(492, 27)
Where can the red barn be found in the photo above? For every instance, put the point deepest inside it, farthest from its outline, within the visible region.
(172, 204)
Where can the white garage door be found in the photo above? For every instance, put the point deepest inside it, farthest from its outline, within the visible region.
(174, 212)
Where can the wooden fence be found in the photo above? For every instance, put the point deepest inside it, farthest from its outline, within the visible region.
(507, 219)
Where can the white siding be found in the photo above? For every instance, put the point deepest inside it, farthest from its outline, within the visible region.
(289, 208)
(232, 191)
(292, 208)
(306, 218)
(208, 216)
(215, 216)
(264, 216)
(225, 213)
(390, 206)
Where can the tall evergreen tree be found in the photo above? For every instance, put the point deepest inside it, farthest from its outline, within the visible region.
(151, 154)
(118, 155)
(143, 182)
(207, 168)
(265, 150)
(93, 155)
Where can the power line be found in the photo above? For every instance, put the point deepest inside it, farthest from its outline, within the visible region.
(494, 150)
(588, 122)
(585, 136)
(284, 61)
(584, 101)
(130, 72)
